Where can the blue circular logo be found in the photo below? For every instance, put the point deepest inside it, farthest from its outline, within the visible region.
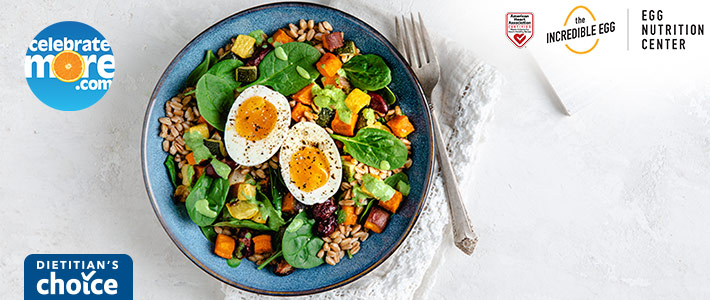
(69, 66)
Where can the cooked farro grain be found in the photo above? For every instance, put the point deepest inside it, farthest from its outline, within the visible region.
(346, 202)
(329, 260)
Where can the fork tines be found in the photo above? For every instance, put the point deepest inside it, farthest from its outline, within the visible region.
(413, 40)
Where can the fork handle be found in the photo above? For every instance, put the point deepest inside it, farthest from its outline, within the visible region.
(464, 237)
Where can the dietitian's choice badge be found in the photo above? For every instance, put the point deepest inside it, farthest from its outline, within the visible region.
(78, 276)
(69, 66)
(519, 28)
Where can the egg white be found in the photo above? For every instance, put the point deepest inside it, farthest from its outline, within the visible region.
(310, 134)
(251, 153)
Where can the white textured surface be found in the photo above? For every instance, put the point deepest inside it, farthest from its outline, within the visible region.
(610, 203)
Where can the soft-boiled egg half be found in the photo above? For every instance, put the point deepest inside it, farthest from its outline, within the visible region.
(257, 125)
(310, 163)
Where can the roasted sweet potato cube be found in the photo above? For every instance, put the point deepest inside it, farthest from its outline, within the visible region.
(377, 220)
(342, 128)
(328, 65)
(400, 125)
(350, 216)
(393, 203)
(288, 205)
(224, 246)
(280, 36)
(262, 244)
(305, 95)
(298, 111)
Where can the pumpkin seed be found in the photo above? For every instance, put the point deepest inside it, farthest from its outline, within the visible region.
(280, 54)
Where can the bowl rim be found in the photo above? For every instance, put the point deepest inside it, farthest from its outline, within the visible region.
(149, 190)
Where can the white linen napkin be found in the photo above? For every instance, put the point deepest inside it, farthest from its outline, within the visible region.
(470, 88)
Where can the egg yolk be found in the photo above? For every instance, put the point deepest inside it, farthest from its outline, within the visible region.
(309, 169)
(256, 118)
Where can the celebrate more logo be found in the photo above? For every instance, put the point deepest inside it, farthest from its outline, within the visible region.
(69, 66)
(78, 276)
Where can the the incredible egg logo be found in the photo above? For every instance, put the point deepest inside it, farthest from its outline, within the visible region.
(69, 66)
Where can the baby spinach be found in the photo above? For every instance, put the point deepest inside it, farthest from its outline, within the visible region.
(201, 69)
(209, 233)
(300, 247)
(215, 96)
(194, 140)
(403, 188)
(234, 223)
(366, 211)
(400, 181)
(266, 209)
(282, 75)
(172, 172)
(388, 95)
(214, 191)
(198, 192)
(270, 259)
(371, 146)
(377, 188)
(368, 72)
(234, 262)
(276, 183)
(226, 70)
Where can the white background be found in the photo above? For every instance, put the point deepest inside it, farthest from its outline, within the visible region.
(609, 203)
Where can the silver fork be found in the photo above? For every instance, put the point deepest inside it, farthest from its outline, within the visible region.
(414, 41)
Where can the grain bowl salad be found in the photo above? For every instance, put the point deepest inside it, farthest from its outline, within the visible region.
(288, 149)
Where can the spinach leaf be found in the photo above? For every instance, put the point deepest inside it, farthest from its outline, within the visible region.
(214, 191)
(282, 75)
(215, 96)
(403, 188)
(270, 259)
(388, 95)
(234, 262)
(209, 233)
(194, 140)
(172, 172)
(277, 185)
(267, 210)
(400, 181)
(201, 69)
(222, 169)
(377, 188)
(366, 211)
(197, 193)
(299, 245)
(226, 70)
(243, 224)
(395, 178)
(331, 97)
(372, 146)
(368, 72)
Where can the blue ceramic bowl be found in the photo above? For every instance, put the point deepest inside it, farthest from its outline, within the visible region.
(187, 236)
